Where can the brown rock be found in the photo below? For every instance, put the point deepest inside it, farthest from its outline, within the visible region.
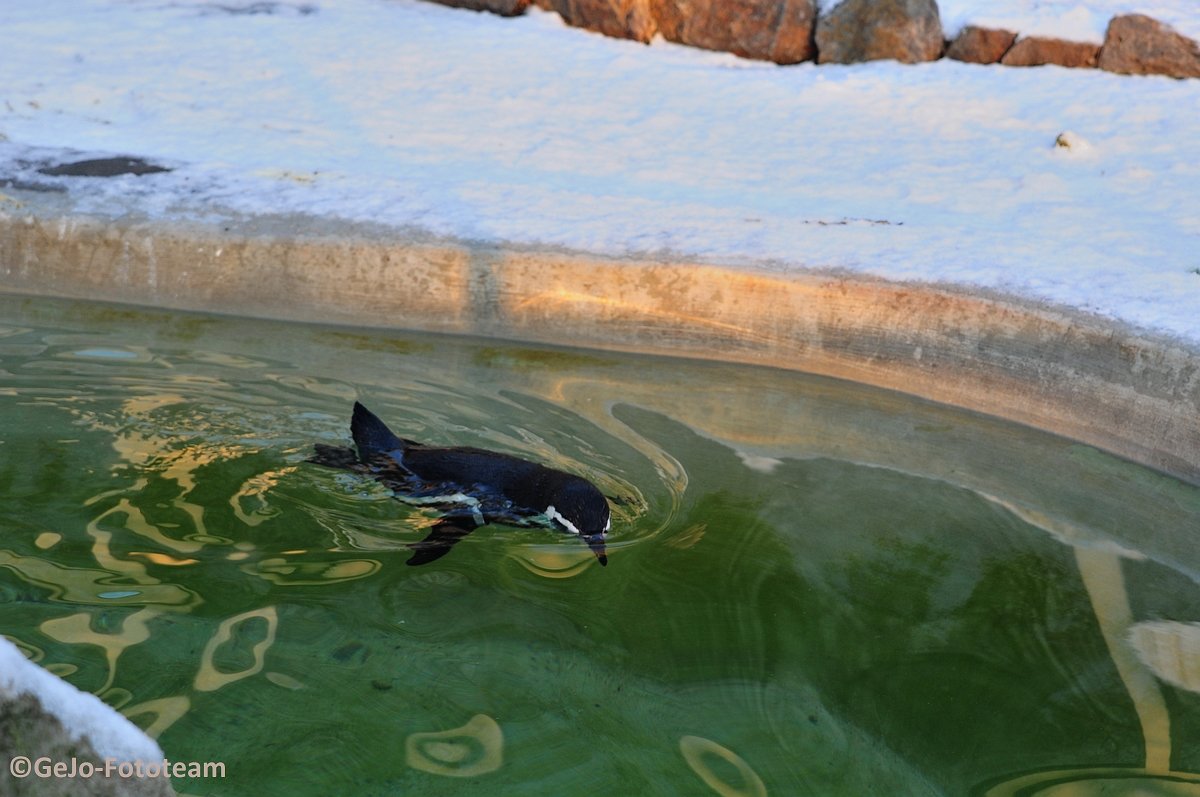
(1037, 51)
(28, 729)
(980, 45)
(868, 30)
(505, 8)
(624, 19)
(1138, 45)
(771, 30)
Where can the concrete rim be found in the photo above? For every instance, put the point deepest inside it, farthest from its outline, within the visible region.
(1132, 393)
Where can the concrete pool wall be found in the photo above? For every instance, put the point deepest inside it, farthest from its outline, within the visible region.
(1094, 380)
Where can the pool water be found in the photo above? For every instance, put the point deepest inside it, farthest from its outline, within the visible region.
(813, 587)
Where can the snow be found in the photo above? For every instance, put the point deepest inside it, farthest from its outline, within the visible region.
(83, 715)
(524, 131)
(1072, 20)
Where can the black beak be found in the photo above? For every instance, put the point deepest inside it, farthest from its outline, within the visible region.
(596, 543)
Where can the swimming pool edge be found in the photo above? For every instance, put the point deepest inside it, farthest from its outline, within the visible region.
(1131, 392)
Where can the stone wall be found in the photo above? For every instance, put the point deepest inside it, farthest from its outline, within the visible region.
(792, 31)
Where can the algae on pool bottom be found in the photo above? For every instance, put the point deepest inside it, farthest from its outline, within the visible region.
(815, 588)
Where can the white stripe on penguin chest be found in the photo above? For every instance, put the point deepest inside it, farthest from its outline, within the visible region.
(554, 514)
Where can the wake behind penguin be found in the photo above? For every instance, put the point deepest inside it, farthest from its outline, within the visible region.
(470, 486)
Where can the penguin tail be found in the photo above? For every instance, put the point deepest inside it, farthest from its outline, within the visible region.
(371, 435)
(335, 457)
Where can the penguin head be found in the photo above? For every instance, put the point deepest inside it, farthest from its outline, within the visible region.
(578, 507)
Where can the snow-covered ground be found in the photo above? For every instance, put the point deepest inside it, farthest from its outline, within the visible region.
(1073, 20)
(525, 131)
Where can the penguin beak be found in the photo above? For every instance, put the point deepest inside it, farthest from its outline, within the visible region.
(596, 543)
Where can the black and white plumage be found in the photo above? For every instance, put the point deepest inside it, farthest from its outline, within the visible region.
(470, 486)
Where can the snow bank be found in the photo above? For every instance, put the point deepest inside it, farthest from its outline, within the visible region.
(84, 716)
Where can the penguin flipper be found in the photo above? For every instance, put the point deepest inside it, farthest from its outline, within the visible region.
(444, 535)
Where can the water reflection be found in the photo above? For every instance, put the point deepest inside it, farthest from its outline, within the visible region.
(975, 610)
(1098, 782)
(155, 716)
(116, 635)
(254, 493)
(47, 539)
(553, 562)
(1140, 652)
(696, 748)
(88, 585)
(234, 643)
(476, 748)
(285, 680)
(1105, 583)
(311, 571)
(1170, 650)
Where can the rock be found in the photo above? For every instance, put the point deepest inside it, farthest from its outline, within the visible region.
(28, 731)
(505, 8)
(980, 45)
(1072, 142)
(770, 30)
(623, 19)
(868, 30)
(1138, 45)
(44, 721)
(1037, 51)
(103, 167)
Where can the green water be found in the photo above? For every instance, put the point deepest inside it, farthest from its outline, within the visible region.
(814, 588)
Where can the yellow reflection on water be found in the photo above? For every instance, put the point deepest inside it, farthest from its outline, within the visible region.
(689, 537)
(136, 522)
(170, 461)
(62, 669)
(559, 562)
(695, 748)
(284, 680)
(1105, 584)
(210, 678)
(91, 587)
(474, 749)
(166, 711)
(47, 539)
(164, 559)
(31, 652)
(254, 492)
(76, 629)
(102, 549)
(1099, 782)
(284, 571)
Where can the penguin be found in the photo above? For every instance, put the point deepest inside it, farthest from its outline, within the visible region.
(470, 486)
